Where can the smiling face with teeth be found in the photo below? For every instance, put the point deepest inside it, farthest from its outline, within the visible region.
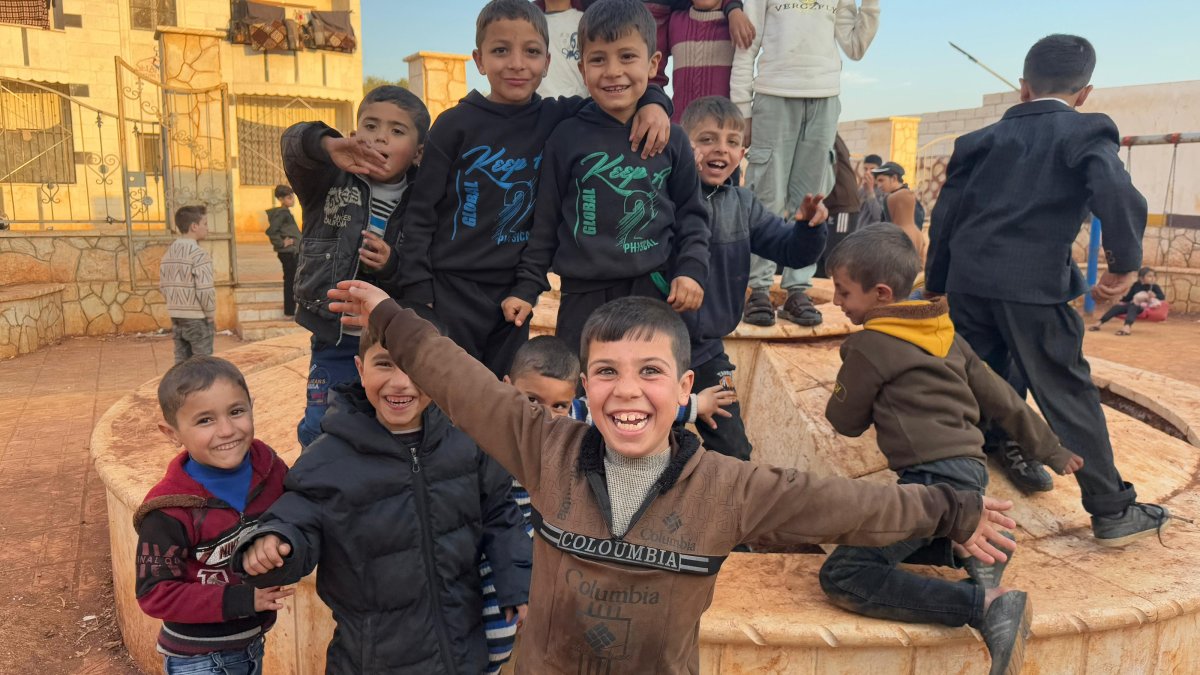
(718, 149)
(634, 391)
(617, 72)
(215, 425)
(397, 401)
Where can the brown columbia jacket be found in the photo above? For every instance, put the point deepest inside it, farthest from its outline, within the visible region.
(632, 604)
(925, 391)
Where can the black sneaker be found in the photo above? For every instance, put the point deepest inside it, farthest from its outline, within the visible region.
(988, 575)
(1005, 629)
(1029, 475)
(1135, 522)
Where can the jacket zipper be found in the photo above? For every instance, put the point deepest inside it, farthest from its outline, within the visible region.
(430, 566)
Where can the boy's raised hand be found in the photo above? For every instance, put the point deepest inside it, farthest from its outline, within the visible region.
(521, 611)
(374, 252)
(686, 294)
(813, 210)
(268, 599)
(516, 311)
(356, 299)
(709, 402)
(651, 130)
(987, 537)
(265, 554)
(355, 155)
(1112, 286)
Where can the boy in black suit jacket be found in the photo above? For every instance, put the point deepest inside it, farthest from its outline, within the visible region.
(1001, 234)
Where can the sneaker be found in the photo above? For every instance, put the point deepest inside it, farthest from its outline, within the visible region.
(987, 575)
(1135, 522)
(1029, 475)
(1005, 630)
(799, 309)
(759, 310)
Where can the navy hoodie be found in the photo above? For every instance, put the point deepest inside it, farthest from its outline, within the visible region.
(472, 205)
(604, 214)
(741, 225)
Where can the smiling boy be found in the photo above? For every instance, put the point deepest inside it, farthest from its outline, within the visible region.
(614, 223)
(629, 503)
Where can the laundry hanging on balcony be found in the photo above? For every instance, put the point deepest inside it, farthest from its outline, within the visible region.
(330, 30)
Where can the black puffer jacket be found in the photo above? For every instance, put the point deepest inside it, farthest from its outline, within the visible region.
(398, 540)
(335, 208)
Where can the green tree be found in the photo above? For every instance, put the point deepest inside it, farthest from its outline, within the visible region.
(372, 81)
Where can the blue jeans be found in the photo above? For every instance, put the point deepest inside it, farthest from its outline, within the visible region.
(246, 661)
(866, 580)
(330, 366)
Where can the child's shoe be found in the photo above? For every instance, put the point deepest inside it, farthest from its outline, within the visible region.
(799, 309)
(1135, 522)
(759, 310)
(1028, 475)
(987, 575)
(1005, 630)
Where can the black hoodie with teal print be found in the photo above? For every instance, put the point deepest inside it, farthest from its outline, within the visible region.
(472, 205)
(605, 214)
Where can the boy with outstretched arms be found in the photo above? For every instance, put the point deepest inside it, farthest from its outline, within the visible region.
(467, 227)
(353, 191)
(614, 223)
(631, 501)
(213, 491)
(740, 226)
(395, 504)
(924, 390)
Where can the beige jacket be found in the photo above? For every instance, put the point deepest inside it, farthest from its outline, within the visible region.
(632, 604)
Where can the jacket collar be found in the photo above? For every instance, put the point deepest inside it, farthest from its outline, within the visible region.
(1037, 108)
(924, 324)
(684, 445)
(179, 490)
(351, 417)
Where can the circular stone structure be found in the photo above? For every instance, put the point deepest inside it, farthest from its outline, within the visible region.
(1096, 610)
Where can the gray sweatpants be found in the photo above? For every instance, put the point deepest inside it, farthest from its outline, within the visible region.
(791, 155)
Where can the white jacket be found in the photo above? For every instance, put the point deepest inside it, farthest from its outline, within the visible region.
(799, 42)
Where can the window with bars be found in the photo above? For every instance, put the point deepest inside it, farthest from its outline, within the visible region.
(36, 134)
(261, 121)
(150, 14)
(150, 154)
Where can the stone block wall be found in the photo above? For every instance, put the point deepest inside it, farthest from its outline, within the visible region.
(439, 79)
(30, 317)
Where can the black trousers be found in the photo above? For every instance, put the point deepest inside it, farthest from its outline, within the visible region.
(729, 438)
(575, 308)
(471, 312)
(1130, 310)
(288, 260)
(1045, 343)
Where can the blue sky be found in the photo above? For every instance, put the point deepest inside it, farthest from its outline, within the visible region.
(909, 68)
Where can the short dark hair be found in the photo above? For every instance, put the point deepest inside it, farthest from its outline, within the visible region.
(1059, 64)
(717, 108)
(369, 338)
(514, 10)
(1144, 271)
(873, 159)
(282, 191)
(547, 356)
(187, 216)
(880, 253)
(611, 20)
(402, 99)
(637, 318)
(197, 373)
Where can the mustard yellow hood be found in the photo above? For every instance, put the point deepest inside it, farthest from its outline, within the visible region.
(924, 324)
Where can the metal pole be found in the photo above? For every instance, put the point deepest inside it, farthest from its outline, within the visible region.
(981, 64)
(1093, 264)
(1162, 139)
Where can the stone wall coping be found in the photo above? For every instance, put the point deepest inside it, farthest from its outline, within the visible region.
(28, 291)
(436, 55)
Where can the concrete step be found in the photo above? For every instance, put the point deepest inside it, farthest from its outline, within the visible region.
(261, 330)
(261, 311)
(246, 293)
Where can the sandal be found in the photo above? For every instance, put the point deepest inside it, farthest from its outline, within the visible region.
(759, 310)
(1094, 328)
(799, 309)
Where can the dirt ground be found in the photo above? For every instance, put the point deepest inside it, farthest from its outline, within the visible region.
(56, 607)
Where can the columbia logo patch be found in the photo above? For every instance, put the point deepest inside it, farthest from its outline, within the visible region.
(839, 392)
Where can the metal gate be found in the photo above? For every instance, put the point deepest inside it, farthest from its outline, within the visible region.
(175, 152)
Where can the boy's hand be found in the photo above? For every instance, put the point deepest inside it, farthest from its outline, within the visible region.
(355, 155)
(983, 543)
(709, 402)
(288, 241)
(357, 299)
(268, 599)
(813, 210)
(686, 294)
(521, 611)
(264, 555)
(651, 130)
(516, 310)
(1112, 286)
(740, 29)
(374, 252)
(1074, 464)
(746, 136)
